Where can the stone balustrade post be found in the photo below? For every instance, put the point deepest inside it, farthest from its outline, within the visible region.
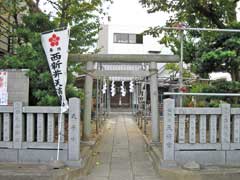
(74, 130)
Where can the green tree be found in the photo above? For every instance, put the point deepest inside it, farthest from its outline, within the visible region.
(173, 69)
(83, 16)
(193, 13)
(196, 13)
(207, 51)
(30, 54)
(221, 54)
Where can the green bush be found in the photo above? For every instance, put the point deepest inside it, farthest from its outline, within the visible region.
(219, 86)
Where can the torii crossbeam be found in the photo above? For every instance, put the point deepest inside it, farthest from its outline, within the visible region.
(124, 58)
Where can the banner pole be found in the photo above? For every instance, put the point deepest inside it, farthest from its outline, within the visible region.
(59, 130)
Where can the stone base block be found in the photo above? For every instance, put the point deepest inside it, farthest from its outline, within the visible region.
(77, 164)
(8, 155)
(40, 156)
(233, 158)
(201, 157)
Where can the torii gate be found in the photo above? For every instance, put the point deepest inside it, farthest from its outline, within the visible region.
(90, 59)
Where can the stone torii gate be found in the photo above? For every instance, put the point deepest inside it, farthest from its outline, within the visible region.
(90, 59)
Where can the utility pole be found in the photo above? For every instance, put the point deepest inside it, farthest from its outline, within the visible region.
(181, 67)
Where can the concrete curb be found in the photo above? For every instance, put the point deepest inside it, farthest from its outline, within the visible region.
(173, 173)
(10, 171)
(44, 172)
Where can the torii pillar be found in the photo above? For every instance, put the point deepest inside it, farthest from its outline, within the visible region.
(154, 102)
(87, 102)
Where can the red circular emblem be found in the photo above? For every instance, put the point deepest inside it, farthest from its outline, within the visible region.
(183, 89)
(54, 40)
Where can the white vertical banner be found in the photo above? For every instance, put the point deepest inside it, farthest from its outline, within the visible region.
(55, 45)
(3, 88)
(3, 81)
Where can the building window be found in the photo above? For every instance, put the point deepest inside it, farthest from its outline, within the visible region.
(121, 38)
(132, 38)
(139, 38)
(154, 52)
(128, 38)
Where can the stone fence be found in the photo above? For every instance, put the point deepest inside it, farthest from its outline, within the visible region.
(29, 133)
(209, 136)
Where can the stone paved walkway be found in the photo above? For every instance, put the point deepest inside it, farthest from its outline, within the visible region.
(121, 154)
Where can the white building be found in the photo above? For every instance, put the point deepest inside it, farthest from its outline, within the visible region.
(128, 39)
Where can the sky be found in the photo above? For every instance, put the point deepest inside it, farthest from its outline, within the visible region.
(126, 12)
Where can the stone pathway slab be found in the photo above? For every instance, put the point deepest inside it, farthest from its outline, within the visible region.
(121, 153)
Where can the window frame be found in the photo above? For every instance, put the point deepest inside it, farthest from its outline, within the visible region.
(128, 35)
